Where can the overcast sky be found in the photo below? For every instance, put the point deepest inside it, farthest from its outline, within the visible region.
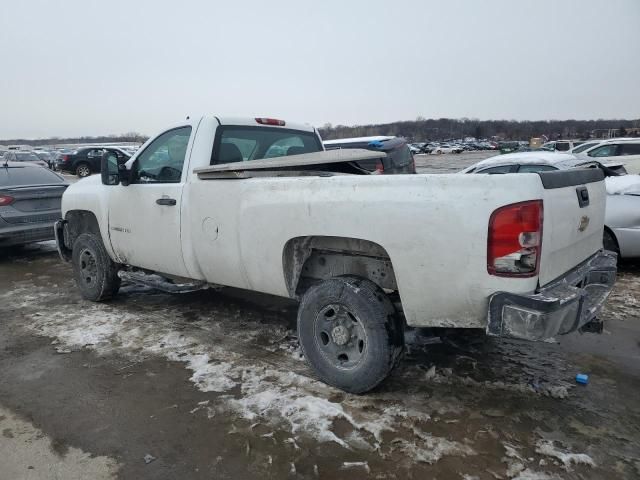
(85, 67)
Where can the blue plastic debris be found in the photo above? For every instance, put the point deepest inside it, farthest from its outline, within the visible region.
(582, 378)
(376, 144)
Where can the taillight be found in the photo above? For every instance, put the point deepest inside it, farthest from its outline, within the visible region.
(6, 200)
(65, 158)
(515, 240)
(379, 167)
(270, 121)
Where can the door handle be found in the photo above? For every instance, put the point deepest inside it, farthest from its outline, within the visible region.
(166, 201)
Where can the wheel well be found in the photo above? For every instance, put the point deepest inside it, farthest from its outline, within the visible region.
(309, 260)
(78, 222)
(613, 236)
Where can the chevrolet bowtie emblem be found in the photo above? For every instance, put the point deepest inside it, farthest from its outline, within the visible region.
(584, 223)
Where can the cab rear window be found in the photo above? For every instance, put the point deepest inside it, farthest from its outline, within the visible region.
(242, 144)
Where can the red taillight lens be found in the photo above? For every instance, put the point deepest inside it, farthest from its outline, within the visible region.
(515, 240)
(270, 121)
(65, 158)
(6, 200)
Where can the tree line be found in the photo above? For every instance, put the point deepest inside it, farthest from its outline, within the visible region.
(125, 137)
(423, 129)
(420, 129)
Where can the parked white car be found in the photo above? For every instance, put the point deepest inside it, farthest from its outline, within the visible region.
(625, 150)
(203, 203)
(622, 218)
(445, 148)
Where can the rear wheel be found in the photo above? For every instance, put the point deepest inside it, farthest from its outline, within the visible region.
(83, 170)
(95, 273)
(350, 333)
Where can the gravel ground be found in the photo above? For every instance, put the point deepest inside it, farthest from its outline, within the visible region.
(211, 384)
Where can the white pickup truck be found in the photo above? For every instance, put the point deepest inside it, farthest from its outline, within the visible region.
(257, 204)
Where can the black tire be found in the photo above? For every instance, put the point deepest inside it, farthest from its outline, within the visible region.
(83, 170)
(609, 242)
(350, 333)
(96, 275)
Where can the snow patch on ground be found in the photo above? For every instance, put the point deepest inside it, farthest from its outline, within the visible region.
(254, 390)
(529, 474)
(548, 448)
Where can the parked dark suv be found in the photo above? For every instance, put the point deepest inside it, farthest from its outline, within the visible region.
(85, 161)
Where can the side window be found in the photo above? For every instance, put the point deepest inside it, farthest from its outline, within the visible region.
(604, 151)
(499, 170)
(630, 149)
(95, 153)
(563, 146)
(114, 153)
(162, 161)
(535, 168)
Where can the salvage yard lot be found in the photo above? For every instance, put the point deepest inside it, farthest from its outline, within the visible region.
(211, 384)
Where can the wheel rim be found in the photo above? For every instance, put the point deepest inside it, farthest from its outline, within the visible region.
(88, 267)
(340, 336)
(83, 171)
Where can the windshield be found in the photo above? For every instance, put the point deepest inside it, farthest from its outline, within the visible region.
(241, 144)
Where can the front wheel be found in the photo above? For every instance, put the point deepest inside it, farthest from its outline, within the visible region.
(350, 333)
(96, 275)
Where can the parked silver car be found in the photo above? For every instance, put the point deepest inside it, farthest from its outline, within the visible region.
(30, 198)
(24, 156)
(622, 217)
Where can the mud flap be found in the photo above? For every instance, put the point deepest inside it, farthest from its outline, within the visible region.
(59, 233)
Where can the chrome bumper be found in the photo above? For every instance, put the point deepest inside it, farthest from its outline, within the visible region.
(560, 307)
(63, 251)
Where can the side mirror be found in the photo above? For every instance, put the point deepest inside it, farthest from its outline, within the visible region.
(112, 170)
(109, 169)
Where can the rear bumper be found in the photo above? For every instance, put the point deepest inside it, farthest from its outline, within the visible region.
(23, 234)
(561, 307)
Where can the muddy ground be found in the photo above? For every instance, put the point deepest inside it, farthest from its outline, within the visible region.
(211, 384)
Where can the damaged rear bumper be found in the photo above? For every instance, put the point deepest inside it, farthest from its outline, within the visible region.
(563, 306)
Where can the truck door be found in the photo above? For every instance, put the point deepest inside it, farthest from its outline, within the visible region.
(144, 216)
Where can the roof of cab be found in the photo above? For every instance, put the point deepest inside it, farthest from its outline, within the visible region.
(251, 122)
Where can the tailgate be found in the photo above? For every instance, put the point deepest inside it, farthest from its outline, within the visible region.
(574, 208)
